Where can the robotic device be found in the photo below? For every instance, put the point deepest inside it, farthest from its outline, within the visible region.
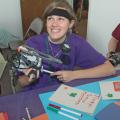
(114, 58)
(29, 61)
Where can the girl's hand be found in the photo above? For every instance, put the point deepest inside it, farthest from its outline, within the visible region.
(64, 76)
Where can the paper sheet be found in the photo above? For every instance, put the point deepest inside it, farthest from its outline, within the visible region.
(110, 89)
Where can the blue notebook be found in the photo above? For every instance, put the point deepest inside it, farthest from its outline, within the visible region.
(110, 112)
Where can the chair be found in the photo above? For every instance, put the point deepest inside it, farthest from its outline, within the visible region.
(6, 37)
(35, 26)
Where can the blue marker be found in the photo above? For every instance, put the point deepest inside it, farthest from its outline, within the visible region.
(61, 113)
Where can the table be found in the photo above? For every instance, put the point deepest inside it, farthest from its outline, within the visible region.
(90, 87)
(15, 104)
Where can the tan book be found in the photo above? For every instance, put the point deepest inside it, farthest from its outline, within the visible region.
(76, 98)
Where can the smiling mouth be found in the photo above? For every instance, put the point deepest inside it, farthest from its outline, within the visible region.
(55, 31)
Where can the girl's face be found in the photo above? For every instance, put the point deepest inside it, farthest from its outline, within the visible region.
(57, 27)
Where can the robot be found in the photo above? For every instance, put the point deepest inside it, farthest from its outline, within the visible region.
(30, 62)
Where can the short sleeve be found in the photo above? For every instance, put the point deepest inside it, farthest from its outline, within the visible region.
(116, 32)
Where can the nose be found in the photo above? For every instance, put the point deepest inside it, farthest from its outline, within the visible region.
(55, 22)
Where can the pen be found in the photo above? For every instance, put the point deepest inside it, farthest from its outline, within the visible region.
(61, 108)
(28, 113)
(23, 119)
(61, 113)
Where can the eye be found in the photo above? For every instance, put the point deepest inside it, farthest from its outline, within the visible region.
(61, 18)
(49, 18)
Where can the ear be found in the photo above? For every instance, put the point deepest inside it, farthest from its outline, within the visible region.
(72, 22)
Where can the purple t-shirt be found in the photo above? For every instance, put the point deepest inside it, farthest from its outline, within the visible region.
(81, 55)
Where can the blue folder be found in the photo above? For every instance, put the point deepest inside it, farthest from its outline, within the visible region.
(110, 112)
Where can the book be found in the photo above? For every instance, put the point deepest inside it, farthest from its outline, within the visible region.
(43, 116)
(111, 112)
(76, 98)
(3, 116)
(110, 89)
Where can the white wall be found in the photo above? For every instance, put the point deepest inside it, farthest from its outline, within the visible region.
(103, 17)
(71, 2)
(10, 16)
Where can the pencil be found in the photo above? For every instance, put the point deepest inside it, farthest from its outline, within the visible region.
(28, 113)
(61, 113)
(61, 108)
(23, 119)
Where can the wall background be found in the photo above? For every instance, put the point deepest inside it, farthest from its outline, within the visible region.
(10, 16)
(70, 1)
(103, 17)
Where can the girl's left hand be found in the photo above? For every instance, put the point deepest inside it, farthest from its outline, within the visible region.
(64, 76)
